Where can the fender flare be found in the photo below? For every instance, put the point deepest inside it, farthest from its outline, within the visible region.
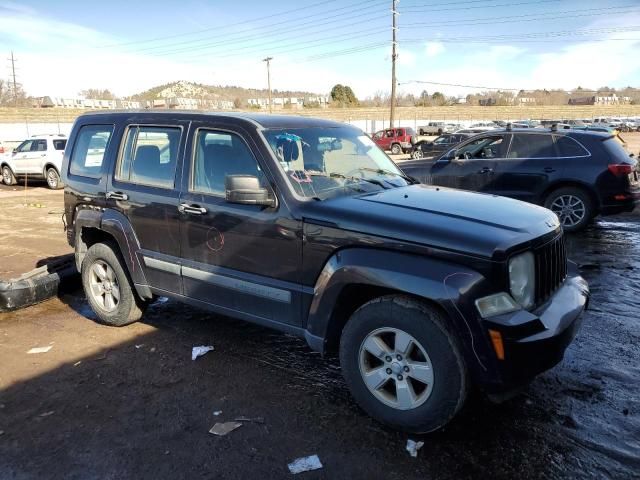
(450, 286)
(116, 225)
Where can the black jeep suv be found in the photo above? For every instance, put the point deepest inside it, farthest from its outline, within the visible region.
(577, 174)
(306, 226)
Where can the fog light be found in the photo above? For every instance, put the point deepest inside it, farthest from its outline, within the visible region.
(496, 304)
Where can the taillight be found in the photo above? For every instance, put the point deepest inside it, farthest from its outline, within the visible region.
(620, 169)
(1, 149)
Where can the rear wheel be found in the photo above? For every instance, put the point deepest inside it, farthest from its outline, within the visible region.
(8, 178)
(53, 179)
(108, 287)
(573, 206)
(396, 149)
(416, 154)
(403, 365)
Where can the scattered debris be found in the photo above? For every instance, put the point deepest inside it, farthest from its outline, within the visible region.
(305, 464)
(247, 419)
(167, 452)
(138, 347)
(221, 429)
(1, 432)
(199, 351)
(413, 447)
(217, 412)
(162, 300)
(40, 349)
(77, 363)
(47, 414)
(152, 349)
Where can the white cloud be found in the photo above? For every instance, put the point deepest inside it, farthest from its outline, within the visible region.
(433, 49)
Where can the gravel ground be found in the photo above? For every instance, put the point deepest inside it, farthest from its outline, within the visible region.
(129, 402)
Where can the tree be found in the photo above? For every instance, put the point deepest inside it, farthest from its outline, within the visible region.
(97, 94)
(438, 99)
(343, 95)
(9, 98)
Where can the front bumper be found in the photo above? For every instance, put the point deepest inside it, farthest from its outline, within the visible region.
(536, 341)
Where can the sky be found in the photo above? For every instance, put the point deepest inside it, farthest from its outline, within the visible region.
(127, 47)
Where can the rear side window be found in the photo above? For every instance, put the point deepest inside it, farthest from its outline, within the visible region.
(89, 150)
(568, 147)
(59, 144)
(150, 156)
(532, 146)
(39, 146)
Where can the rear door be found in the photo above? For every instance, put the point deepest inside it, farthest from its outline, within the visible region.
(240, 258)
(143, 188)
(34, 159)
(531, 164)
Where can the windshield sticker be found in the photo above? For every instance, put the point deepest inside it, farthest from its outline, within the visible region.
(300, 176)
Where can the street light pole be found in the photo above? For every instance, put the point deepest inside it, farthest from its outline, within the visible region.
(268, 60)
(394, 56)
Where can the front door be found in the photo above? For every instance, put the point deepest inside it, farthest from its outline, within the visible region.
(20, 158)
(144, 188)
(244, 259)
(473, 165)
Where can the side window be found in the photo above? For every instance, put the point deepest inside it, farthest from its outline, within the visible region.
(532, 146)
(483, 148)
(568, 147)
(89, 150)
(39, 146)
(25, 146)
(389, 133)
(150, 156)
(59, 144)
(218, 154)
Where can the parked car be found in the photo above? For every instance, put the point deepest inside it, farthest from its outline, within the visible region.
(475, 130)
(444, 142)
(435, 128)
(2, 150)
(37, 157)
(306, 226)
(397, 140)
(576, 174)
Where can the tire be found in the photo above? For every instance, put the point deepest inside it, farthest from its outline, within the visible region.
(439, 131)
(573, 206)
(8, 178)
(396, 149)
(429, 404)
(416, 154)
(53, 179)
(103, 265)
(421, 132)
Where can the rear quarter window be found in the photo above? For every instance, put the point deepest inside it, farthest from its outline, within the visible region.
(568, 147)
(87, 158)
(59, 144)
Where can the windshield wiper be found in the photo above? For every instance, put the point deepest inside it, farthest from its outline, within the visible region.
(382, 171)
(368, 180)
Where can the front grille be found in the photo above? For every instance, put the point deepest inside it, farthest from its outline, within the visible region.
(551, 268)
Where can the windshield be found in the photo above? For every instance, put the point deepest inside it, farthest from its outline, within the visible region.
(321, 163)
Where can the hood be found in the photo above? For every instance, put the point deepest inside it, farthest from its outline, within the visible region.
(455, 220)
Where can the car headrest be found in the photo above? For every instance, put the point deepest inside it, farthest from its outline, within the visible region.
(147, 161)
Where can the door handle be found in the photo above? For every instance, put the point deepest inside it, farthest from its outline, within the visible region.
(43, 154)
(485, 170)
(191, 209)
(117, 196)
(549, 169)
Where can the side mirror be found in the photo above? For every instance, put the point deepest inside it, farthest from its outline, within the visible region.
(15, 150)
(246, 190)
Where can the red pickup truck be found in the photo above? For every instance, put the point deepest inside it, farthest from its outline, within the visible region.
(398, 140)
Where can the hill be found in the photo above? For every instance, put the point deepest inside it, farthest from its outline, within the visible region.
(213, 92)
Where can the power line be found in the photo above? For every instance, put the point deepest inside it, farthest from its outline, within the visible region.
(218, 28)
(430, 10)
(523, 18)
(479, 87)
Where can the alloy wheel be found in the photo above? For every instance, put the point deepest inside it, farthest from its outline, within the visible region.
(570, 210)
(396, 368)
(52, 178)
(104, 286)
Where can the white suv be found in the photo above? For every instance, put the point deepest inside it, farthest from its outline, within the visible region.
(39, 157)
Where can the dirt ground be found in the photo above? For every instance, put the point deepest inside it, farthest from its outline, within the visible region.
(130, 403)
(32, 228)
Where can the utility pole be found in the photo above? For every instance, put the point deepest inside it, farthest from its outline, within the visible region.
(268, 60)
(13, 73)
(394, 56)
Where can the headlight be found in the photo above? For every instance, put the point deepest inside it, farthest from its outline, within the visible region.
(522, 279)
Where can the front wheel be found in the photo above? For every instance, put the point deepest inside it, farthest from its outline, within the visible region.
(403, 364)
(8, 178)
(573, 206)
(396, 149)
(416, 154)
(108, 287)
(53, 179)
